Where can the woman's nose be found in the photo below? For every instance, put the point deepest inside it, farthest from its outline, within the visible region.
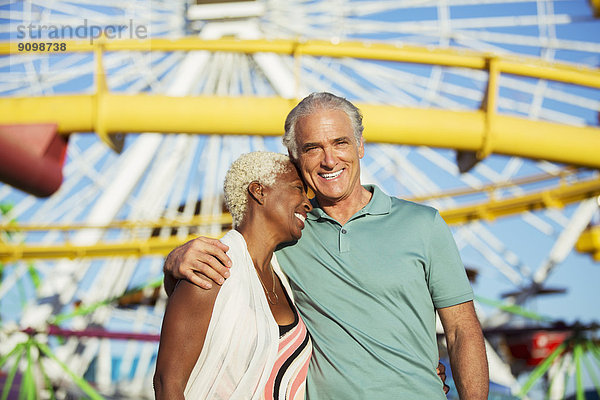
(307, 206)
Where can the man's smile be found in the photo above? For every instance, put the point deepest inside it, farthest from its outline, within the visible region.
(331, 175)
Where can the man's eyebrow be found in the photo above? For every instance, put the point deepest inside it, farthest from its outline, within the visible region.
(341, 139)
(309, 144)
(334, 140)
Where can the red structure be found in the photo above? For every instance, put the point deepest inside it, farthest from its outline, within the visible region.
(534, 347)
(32, 157)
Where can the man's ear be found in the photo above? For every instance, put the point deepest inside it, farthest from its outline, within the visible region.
(256, 191)
(361, 148)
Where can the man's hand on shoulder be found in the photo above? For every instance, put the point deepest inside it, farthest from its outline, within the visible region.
(200, 261)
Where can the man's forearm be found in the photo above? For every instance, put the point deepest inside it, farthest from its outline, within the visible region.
(467, 351)
(469, 366)
(200, 261)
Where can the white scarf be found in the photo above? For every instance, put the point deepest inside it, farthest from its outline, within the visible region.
(243, 338)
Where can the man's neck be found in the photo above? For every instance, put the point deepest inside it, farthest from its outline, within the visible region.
(343, 210)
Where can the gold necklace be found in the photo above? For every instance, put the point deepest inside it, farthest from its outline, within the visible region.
(271, 296)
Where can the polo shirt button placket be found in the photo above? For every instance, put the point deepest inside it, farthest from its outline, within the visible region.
(344, 241)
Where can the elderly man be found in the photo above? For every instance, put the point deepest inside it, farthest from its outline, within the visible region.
(368, 274)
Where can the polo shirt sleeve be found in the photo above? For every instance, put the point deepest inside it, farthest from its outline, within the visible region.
(447, 279)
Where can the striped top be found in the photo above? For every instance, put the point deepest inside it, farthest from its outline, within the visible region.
(288, 377)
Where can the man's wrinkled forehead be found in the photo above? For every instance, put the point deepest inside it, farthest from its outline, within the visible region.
(300, 127)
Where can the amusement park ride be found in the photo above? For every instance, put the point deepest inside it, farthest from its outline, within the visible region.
(113, 152)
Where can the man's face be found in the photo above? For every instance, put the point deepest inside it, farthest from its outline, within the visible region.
(328, 155)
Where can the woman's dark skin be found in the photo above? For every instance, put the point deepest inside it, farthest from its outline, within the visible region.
(269, 220)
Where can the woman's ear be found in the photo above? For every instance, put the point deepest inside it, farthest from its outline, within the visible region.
(256, 191)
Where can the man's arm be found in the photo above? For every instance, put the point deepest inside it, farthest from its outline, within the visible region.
(466, 348)
(198, 261)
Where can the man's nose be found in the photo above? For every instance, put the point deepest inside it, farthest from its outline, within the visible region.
(328, 158)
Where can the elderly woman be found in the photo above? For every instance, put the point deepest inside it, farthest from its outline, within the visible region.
(257, 346)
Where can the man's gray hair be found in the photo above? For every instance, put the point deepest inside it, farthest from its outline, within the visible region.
(313, 103)
(260, 166)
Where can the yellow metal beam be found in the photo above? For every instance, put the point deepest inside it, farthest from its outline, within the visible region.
(522, 66)
(490, 188)
(135, 248)
(461, 130)
(134, 113)
(197, 220)
(555, 197)
(589, 242)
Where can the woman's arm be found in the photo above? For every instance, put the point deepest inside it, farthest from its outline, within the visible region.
(182, 336)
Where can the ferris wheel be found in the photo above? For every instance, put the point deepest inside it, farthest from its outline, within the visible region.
(486, 110)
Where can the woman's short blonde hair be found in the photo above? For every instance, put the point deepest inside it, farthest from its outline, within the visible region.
(260, 166)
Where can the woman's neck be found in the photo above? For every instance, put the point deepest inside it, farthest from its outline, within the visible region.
(260, 242)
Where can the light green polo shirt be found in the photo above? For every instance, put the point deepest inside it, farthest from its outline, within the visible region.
(367, 291)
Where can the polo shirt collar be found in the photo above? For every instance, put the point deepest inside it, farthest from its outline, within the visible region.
(380, 204)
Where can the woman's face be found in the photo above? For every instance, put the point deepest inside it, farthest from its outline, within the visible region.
(287, 204)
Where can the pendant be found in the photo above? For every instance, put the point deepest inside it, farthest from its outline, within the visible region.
(272, 297)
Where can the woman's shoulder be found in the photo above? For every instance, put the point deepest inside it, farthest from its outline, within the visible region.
(236, 243)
